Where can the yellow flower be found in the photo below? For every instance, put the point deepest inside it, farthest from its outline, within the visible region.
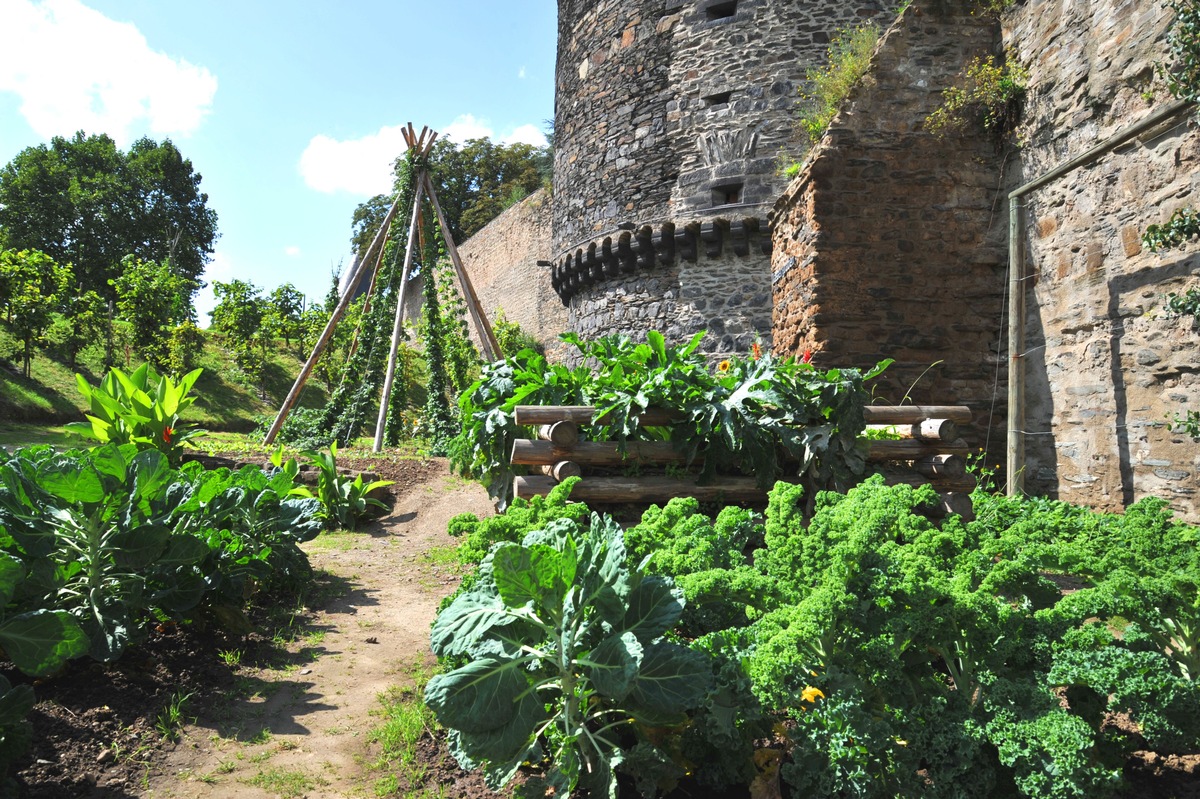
(723, 366)
(811, 694)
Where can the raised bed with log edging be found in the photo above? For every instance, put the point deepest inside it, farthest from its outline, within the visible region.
(926, 449)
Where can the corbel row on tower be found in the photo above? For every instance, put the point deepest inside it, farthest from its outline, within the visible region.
(646, 247)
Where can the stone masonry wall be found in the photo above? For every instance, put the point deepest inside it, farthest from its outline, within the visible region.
(669, 119)
(886, 245)
(1104, 366)
(502, 262)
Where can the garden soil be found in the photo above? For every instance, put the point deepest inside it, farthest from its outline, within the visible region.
(288, 710)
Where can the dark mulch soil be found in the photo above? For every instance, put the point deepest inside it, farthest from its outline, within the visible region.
(94, 726)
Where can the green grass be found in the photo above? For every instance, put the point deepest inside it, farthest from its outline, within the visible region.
(286, 783)
(406, 720)
(18, 434)
(225, 399)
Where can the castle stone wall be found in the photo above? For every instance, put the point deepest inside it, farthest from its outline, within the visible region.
(502, 262)
(670, 116)
(887, 244)
(1105, 367)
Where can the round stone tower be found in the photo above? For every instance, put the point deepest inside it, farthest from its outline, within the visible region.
(670, 116)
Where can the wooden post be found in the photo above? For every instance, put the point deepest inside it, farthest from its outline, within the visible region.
(560, 434)
(398, 325)
(1015, 457)
(562, 470)
(330, 326)
(491, 348)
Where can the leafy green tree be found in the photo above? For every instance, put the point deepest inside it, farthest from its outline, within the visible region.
(84, 201)
(32, 287)
(474, 182)
(238, 315)
(84, 320)
(150, 299)
(284, 306)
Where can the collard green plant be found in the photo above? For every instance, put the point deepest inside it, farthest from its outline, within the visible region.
(141, 408)
(565, 660)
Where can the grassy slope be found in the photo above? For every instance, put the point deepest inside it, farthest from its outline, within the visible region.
(223, 401)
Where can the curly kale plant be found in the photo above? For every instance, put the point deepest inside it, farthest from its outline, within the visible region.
(565, 660)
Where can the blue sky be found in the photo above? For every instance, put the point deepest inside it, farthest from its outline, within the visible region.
(291, 111)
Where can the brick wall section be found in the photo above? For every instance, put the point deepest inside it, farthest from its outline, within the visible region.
(1105, 367)
(886, 245)
(502, 262)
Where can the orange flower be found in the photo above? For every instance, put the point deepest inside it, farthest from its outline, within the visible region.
(755, 351)
(807, 357)
(811, 694)
(723, 366)
(167, 433)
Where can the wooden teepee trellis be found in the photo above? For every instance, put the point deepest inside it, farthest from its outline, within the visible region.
(423, 188)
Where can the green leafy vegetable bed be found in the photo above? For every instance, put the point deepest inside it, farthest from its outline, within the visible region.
(866, 652)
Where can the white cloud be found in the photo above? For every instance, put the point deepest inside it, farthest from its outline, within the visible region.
(527, 134)
(466, 127)
(363, 166)
(76, 69)
(358, 166)
(292, 252)
(521, 73)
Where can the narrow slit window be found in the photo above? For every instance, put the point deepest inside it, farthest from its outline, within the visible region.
(727, 195)
(721, 10)
(718, 98)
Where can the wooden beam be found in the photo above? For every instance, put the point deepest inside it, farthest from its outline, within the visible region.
(926, 430)
(644, 489)
(915, 414)
(911, 450)
(582, 414)
(562, 470)
(594, 453)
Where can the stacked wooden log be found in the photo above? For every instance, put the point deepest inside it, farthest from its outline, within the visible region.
(915, 445)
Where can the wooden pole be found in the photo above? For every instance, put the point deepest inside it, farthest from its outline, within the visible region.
(582, 414)
(398, 325)
(491, 348)
(928, 430)
(366, 309)
(1015, 456)
(330, 326)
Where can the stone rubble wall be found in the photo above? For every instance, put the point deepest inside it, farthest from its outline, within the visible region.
(1105, 367)
(888, 243)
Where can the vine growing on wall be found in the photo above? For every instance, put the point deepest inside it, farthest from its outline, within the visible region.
(1183, 81)
(1183, 44)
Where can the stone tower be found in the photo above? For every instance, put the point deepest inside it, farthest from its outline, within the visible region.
(669, 122)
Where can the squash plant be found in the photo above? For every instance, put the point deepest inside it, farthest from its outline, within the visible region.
(564, 658)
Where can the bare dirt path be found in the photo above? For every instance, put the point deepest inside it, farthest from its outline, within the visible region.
(302, 728)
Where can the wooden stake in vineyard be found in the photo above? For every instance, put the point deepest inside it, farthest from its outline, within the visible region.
(423, 186)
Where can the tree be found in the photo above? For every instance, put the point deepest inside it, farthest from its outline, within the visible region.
(474, 183)
(150, 300)
(84, 201)
(239, 316)
(32, 287)
(284, 307)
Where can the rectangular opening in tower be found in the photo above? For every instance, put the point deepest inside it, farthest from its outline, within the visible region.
(718, 98)
(729, 194)
(721, 10)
